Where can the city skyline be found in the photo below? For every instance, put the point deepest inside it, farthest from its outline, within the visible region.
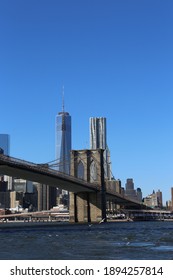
(114, 59)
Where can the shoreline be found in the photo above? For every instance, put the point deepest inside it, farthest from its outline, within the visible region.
(34, 224)
(41, 224)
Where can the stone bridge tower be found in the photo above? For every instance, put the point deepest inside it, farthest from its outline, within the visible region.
(88, 206)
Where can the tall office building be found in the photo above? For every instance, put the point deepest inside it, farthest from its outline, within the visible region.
(154, 200)
(172, 199)
(159, 198)
(63, 141)
(5, 146)
(5, 143)
(63, 148)
(130, 191)
(4, 195)
(139, 194)
(98, 141)
(46, 197)
(98, 133)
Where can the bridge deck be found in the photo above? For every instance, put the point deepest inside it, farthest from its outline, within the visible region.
(40, 173)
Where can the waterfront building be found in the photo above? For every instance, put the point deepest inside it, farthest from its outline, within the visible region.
(113, 186)
(4, 194)
(30, 201)
(154, 200)
(16, 200)
(169, 205)
(159, 199)
(139, 194)
(98, 140)
(46, 197)
(3, 185)
(24, 195)
(21, 185)
(4, 199)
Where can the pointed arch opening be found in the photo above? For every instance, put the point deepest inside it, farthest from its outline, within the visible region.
(80, 170)
(93, 172)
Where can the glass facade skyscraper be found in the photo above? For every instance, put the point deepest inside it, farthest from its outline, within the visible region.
(5, 146)
(5, 143)
(63, 141)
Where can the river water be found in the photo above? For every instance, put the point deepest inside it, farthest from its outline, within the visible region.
(106, 241)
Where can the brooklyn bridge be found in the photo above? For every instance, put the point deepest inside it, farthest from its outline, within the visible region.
(87, 197)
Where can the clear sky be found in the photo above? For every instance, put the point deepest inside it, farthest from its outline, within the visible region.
(115, 60)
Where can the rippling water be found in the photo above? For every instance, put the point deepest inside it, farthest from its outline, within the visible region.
(118, 240)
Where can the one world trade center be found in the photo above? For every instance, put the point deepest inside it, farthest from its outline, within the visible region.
(63, 141)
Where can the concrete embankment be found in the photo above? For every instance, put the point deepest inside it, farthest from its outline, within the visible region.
(41, 224)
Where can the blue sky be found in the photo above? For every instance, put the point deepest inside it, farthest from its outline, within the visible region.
(115, 60)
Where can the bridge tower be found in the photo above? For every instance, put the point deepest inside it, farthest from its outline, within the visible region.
(88, 206)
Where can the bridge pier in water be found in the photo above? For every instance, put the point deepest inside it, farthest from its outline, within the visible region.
(88, 206)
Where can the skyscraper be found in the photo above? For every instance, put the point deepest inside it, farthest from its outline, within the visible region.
(5, 143)
(172, 199)
(63, 141)
(5, 146)
(98, 133)
(98, 141)
(130, 191)
(159, 198)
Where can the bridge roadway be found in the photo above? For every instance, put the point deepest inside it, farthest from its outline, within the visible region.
(41, 173)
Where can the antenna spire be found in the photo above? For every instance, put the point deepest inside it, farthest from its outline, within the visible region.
(63, 99)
